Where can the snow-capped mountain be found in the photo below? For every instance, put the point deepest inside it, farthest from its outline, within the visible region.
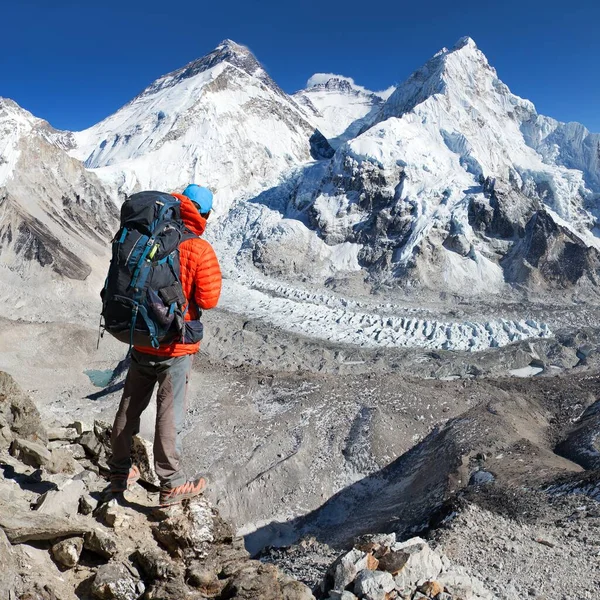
(220, 120)
(56, 219)
(449, 182)
(339, 106)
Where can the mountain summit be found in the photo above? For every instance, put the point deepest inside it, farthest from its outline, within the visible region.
(220, 120)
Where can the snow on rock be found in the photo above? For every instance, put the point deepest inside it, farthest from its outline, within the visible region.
(220, 121)
(450, 141)
(338, 105)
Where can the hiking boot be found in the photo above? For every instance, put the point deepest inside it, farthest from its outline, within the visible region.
(189, 489)
(119, 483)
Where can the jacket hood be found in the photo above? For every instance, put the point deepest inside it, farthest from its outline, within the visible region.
(190, 215)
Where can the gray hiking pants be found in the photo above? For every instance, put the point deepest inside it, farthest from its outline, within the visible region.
(172, 375)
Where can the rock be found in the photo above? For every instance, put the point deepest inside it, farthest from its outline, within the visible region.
(203, 578)
(64, 501)
(91, 444)
(62, 433)
(345, 595)
(81, 427)
(294, 590)
(116, 581)
(18, 412)
(143, 458)
(191, 528)
(393, 562)
(25, 526)
(101, 543)
(113, 515)
(422, 564)
(173, 590)
(459, 583)
(374, 585)
(254, 581)
(62, 461)
(76, 450)
(9, 568)
(87, 504)
(431, 589)
(481, 478)
(31, 453)
(155, 564)
(345, 569)
(67, 552)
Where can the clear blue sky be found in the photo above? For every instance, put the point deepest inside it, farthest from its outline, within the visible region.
(74, 63)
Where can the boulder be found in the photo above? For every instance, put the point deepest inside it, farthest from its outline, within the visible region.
(422, 564)
(374, 585)
(68, 434)
(192, 528)
(87, 504)
(64, 501)
(101, 543)
(91, 443)
(254, 581)
(117, 581)
(67, 552)
(18, 412)
(9, 568)
(25, 526)
(31, 453)
(345, 569)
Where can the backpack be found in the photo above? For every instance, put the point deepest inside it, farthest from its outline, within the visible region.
(143, 303)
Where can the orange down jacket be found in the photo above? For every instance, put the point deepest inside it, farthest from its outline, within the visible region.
(200, 277)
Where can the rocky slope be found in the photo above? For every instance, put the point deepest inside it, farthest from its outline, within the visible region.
(62, 536)
(56, 218)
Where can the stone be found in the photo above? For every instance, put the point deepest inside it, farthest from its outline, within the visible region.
(25, 526)
(31, 453)
(431, 588)
(345, 595)
(62, 433)
(9, 568)
(393, 562)
(81, 427)
(460, 584)
(101, 543)
(294, 590)
(254, 581)
(67, 552)
(422, 564)
(18, 412)
(113, 515)
(117, 581)
(155, 564)
(64, 501)
(77, 451)
(143, 458)
(374, 585)
(345, 569)
(191, 528)
(62, 461)
(87, 504)
(91, 444)
(481, 478)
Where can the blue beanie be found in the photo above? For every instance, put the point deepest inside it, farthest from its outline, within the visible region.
(202, 197)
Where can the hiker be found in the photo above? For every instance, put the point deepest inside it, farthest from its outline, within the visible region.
(169, 363)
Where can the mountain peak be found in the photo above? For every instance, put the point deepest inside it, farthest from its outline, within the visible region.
(465, 42)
